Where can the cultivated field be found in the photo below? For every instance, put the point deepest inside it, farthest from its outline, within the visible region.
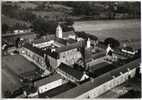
(119, 29)
(14, 66)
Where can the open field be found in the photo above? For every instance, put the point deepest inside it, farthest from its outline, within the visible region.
(18, 64)
(120, 29)
(10, 82)
(12, 67)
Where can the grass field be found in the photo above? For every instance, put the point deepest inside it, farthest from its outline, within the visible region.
(9, 81)
(18, 64)
(12, 67)
(119, 29)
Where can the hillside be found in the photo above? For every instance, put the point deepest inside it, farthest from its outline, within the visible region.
(11, 21)
(28, 12)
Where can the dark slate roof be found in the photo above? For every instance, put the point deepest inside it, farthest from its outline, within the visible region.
(69, 47)
(52, 54)
(74, 92)
(119, 52)
(44, 39)
(57, 90)
(75, 73)
(86, 35)
(103, 70)
(128, 49)
(67, 33)
(98, 66)
(70, 41)
(77, 91)
(34, 49)
(99, 54)
(95, 56)
(62, 41)
(47, 80)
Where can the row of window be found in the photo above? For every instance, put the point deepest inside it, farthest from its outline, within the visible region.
(110, 84)
(35, 57)
(69, 52)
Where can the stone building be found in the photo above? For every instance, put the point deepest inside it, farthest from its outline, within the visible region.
(71, 74)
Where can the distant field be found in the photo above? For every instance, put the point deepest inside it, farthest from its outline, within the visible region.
(51, 15)
(119, 29)
(26, 5)
(11, 21)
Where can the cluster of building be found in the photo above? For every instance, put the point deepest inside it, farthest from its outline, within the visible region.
(70, 73)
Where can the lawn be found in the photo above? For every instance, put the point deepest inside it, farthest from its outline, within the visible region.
(18, 64)
(9, 82)
(12, 67)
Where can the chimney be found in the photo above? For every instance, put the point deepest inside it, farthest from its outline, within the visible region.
(88, 43)
(52, 50)
(59, 31)
(44, 56)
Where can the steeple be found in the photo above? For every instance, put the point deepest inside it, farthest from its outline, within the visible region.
(59, 31)
(88, 43)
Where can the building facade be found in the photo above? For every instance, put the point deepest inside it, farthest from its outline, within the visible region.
(34, 55)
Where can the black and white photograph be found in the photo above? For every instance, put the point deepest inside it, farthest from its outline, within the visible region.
(71, 49)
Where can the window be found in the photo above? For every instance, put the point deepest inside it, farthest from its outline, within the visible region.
(63, 56)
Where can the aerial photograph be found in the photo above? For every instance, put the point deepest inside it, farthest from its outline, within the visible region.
(74, 49)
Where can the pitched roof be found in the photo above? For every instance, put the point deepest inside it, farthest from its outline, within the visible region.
(34, 49)
(71, 71)
(58, 90)
(47, 80)
(104, 69)
(62, 41)
(86, 35)
(79, 90)
(67, 33)
(129, 49)
(52, 54)
(71, 41)
(98, 66)
(69, 47)
(44, 39)
(119, 52)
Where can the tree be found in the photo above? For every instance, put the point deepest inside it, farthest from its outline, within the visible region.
(5, 28)
(42, 26)
(27, 15)
(69, 21)
(7, 94)
(113, 42)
